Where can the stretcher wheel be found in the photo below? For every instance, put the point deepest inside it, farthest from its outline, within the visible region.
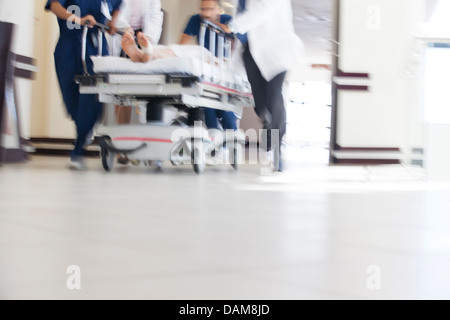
(235, 156)
(176, 157)
(108, 158)
(159, 164)
(198, 161)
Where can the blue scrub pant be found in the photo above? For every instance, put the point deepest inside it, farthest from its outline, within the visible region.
(85, 110)
(227, 119)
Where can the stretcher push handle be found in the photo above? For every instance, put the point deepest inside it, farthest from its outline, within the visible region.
(101, 30)
(83, 47)
(216, 28)
(222, 50)
(104, 28)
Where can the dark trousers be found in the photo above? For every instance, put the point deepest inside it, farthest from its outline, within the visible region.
(227, 119)
(268, 95)
(84, 109)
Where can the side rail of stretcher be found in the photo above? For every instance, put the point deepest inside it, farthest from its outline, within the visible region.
(129, 89)
(157, 143)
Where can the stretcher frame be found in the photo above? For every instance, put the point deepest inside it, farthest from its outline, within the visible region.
(171, 90)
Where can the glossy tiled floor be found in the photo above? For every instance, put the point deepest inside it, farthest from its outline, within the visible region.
(314, 232)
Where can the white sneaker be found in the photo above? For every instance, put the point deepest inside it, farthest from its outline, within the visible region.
(77, 164)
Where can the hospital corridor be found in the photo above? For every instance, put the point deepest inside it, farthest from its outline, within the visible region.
(350, 203)
(144, 234)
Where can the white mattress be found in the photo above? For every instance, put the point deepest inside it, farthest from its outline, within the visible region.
(185, 65)
(178, 65)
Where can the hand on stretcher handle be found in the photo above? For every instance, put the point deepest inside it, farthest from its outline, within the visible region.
(104, 28)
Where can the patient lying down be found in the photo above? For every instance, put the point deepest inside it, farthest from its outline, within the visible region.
(149, 53)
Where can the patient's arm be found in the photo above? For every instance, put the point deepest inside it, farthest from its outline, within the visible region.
(148, 53)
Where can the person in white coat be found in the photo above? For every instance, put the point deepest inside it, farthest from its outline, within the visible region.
(145, 16)
(270, 48)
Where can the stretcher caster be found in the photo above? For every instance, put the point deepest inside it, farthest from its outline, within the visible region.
(198, 159)
(235, 156)
(123, 159)
(159, 165)
(177, 157)
(108, 158)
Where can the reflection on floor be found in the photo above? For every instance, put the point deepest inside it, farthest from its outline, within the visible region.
(313, 232)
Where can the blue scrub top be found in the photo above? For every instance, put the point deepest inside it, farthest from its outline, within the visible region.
(194, 24)
(68, 49)
(84, 7)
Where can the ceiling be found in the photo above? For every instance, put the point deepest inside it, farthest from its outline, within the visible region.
(313, 24)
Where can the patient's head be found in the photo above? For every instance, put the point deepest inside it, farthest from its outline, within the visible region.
(210, 10)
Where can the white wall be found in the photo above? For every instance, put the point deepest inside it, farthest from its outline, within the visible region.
(42, 111)
(21, 13)
(49, 119)
(178, 14)
(376, 38)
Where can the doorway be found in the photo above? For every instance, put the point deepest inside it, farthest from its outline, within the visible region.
(309, 92)
(308, 122)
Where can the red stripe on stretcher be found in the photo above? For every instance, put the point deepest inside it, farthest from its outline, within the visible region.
(228, 89)
(142, 139)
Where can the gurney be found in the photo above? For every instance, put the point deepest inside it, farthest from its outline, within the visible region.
(183, 83)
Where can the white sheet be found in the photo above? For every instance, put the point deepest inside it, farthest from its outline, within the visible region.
(179, 65)
(189, 62)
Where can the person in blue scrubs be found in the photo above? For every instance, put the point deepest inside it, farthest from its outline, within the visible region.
(85, 110)
(210, 10)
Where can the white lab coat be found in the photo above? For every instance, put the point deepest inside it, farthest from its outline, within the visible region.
(152, 22)
(273, 43)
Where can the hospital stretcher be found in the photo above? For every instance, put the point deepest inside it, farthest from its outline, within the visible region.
(183, 83)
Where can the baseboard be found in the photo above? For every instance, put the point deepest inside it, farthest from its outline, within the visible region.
(366, 156)
(59, 147)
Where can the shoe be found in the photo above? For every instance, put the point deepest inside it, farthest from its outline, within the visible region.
(122, 159)
(77, 164)
(270, 155)
(281, 166)
(135, 162)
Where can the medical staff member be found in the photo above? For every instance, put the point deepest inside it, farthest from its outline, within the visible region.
(270, 48)
(84, 110)
(210, 10)
(142, 15)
